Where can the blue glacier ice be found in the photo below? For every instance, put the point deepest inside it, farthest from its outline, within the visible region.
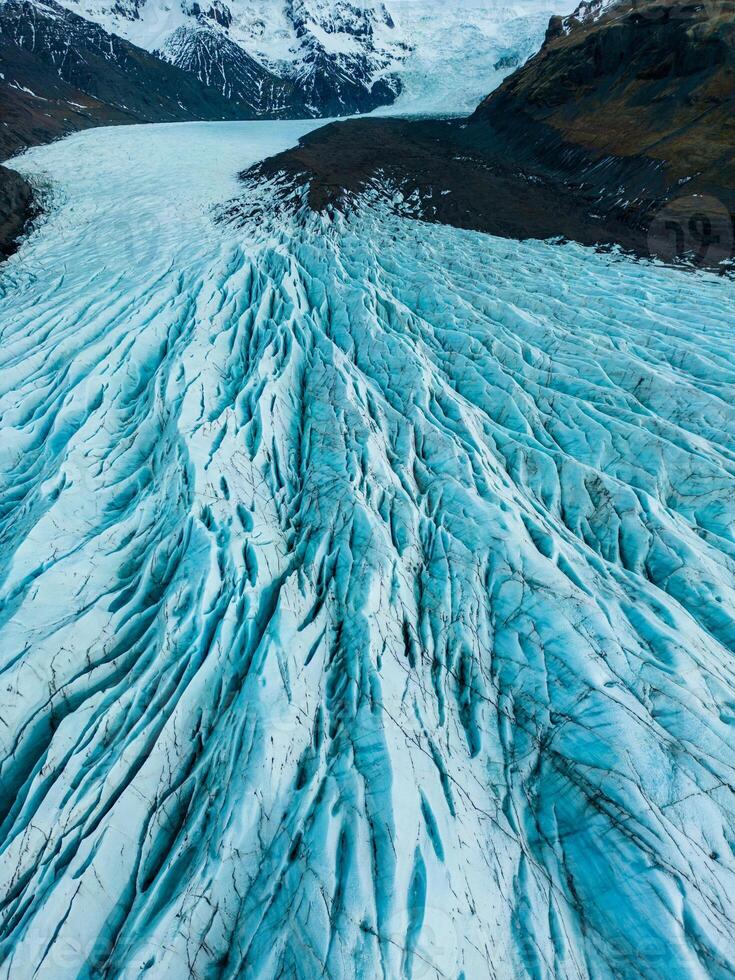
(367, 589)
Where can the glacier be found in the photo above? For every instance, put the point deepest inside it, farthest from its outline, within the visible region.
(458, 53)
(366, 604)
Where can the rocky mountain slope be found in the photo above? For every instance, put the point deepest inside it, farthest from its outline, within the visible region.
(653, 78)
(621, 130)
(636, 101)
(336, 54)
(222, 65)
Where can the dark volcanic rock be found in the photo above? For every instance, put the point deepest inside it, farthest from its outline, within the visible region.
(16, 206)
(445, 177)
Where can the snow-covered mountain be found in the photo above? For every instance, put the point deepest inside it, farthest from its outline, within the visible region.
(339, 56)
(221, 64)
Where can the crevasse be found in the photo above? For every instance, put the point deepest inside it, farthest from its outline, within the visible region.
(367, 590)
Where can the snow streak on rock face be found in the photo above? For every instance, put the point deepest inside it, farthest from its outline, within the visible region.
(222, 65)
(367, 597)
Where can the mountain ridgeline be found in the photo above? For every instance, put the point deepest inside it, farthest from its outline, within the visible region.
(62, 72)
(330, 58)
(635, 104)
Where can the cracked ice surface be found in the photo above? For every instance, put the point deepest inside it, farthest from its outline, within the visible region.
(367, 591)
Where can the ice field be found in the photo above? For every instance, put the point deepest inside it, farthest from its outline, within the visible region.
(366, 594)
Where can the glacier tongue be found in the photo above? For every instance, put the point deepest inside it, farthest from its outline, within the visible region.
(367, 594)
